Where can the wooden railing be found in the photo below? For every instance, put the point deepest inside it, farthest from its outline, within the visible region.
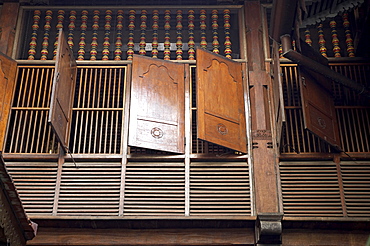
(118, 33)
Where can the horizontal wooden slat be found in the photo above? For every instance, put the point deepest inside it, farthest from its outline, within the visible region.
(356, 184)
(91, 188)
(220, 188)
(154, 188)
(35, 182)
(310, 189)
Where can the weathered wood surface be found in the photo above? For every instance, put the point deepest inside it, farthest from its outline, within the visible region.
(74, 236)
(265, 176)
(8, 21)
(8, 71)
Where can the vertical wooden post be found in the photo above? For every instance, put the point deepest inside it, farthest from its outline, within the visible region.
(8, 22)
(263, 155)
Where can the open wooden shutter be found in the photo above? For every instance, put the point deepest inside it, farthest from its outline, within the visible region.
(317, 102)
(279, 111)
(157, 110)
(63, 90)
(220, 101)
(8, 69)
(318, 108)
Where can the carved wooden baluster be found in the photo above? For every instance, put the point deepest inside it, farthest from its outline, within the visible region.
(59, 25)
(71, 28)
(94, 42)
(307, 35)
(281, 51)
(349, 40)
(203, 27)
(322, 40)
(179, 35)
(167, 28)
(35, 27)
(107, 27)
(142, 43)
(335, 40)
(131, 28)
(118, 51)
(215, 43)
(82, 44)
(155, 34)
(227, 27)
(45, 42)
(191, 44)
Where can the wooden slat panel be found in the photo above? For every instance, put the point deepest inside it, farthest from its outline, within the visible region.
(98, 110)
(353, 112)
(354, 129)
(93, 188)
(310, 189)
(28, 131)
(154, 189)
(221, 188)
(35, 182)
(356, 184)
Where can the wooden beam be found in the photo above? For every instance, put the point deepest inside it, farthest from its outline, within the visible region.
(265, 175)
(8, 21)
(75, 236)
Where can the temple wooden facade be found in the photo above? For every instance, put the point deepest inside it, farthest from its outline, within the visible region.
(187, 122)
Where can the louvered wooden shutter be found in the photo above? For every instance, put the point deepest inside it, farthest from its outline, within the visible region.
(8, 69)
(63, 90)
(157, 107)
(220, 112)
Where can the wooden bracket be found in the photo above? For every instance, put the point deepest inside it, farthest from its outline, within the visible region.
(268, 228)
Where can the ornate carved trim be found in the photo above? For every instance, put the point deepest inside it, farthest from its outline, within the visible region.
(261, 134)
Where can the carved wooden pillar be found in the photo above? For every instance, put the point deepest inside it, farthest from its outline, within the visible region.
(268, 225)
(8, 22)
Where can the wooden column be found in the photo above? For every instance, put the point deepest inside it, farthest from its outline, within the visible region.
(268, 226)
(8, 22)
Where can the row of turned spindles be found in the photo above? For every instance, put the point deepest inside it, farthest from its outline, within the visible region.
(131, 29)
(334, 38)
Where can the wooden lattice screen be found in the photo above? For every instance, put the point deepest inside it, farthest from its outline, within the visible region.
(353, 113)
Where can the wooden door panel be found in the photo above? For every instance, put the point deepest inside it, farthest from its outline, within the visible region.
(220, 101)
(63, 90)
(8, 70)
(157, 109)
(318, 109)
(318, 104)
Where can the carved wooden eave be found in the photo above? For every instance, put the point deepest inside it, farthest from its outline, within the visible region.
(289, 15)
(319, 10)
(14, 222)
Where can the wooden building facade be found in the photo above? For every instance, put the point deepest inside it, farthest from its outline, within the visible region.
(188, 122)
